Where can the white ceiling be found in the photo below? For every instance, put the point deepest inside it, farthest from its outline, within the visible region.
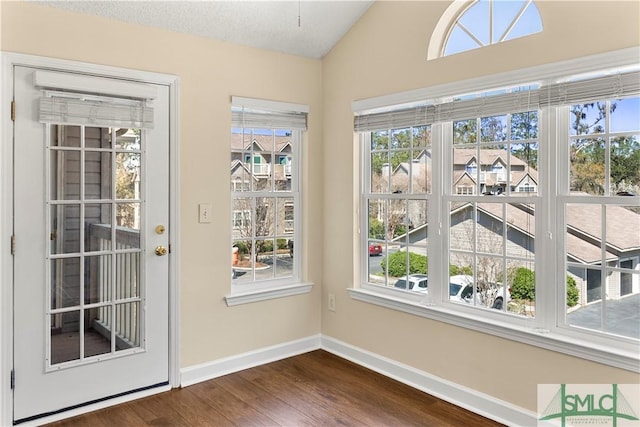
(272, 25)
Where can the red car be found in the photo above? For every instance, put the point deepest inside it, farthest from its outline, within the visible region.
(375, 249)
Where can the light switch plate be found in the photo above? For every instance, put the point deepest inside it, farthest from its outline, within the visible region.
(204, 212)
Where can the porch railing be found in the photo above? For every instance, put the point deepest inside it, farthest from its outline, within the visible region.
(117, 282)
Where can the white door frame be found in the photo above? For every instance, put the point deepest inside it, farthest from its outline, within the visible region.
(9, 60)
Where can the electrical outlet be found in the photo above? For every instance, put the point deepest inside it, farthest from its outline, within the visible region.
(331, 303)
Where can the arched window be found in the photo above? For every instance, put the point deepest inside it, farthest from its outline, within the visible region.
(467, 25)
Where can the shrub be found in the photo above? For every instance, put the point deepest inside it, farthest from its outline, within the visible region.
(572, 292)
(265, 246)
(282, 244)
(398, 264)
(243, 247)
(523, 285)
(455, 270)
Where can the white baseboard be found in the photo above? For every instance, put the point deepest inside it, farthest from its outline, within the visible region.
(206, 371)
(472, 400)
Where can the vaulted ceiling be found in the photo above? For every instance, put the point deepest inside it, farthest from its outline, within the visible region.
(299, 27)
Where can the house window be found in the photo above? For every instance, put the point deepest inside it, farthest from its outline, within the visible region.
(568, 196)
(288, 217)
(265, 199)
(526, 188)
(486, 22)
(464, 190)
(472, 168)
(241, 219)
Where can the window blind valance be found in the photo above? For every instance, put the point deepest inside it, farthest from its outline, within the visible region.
(616, 86)
(103, 112)
(258, 113)
(595, 89)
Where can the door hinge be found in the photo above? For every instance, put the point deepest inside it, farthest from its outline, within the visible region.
(13, 244)
(13, 379)
(169, 248)
(13, 111)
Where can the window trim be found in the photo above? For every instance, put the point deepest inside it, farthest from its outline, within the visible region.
(610, 350)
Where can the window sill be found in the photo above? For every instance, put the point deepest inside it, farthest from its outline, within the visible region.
(608, 355)
(267, 294)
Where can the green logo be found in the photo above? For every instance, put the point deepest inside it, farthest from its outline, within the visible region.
(586, 407)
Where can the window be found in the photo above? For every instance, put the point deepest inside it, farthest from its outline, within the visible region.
(464, 190)
(597, 198)
(265, 194)
(396, 203)
(487, 22)
(491, 238)
(530, 216)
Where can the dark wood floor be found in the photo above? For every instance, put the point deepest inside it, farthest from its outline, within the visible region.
(313, 389)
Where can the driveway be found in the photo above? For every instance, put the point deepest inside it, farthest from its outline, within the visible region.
(622, 316)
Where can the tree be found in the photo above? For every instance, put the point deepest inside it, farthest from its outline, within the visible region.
(376, 229)
(128, 177)
(493, 129)
(625, 161)
(524, 126)
(465, 131)
(587, 154)
(261, 225)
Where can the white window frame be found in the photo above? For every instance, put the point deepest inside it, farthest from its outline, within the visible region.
(547, 329)
(450, 19)
(253, 113)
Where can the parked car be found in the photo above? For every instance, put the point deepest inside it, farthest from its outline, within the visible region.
(489, 295)
(413, 282)
(375, 249)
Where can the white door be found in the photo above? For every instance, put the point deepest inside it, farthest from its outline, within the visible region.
(90, 213)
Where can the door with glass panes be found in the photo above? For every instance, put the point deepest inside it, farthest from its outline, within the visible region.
(91, 251)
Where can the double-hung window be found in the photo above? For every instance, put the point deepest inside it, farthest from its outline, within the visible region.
(518, 205)
(266, 141)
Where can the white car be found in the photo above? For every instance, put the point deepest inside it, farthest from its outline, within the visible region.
(413, 282)
(461, 290)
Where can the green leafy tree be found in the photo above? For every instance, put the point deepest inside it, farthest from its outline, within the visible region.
(588, 154)
(524, 126)
(625, 161)
(465, 132)
(376, 229)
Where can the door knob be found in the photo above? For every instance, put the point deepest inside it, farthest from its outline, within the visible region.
(161, 250)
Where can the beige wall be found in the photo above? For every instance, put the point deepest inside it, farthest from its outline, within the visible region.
(385, 53)
(210, 72)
